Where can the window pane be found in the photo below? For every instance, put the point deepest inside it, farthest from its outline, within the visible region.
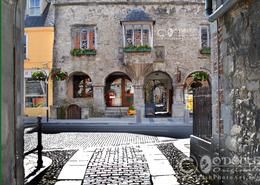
(204, 37)
(129, 36)
(24, 46)
(146, 35)
(34, 3)
(137, 35)
(35, 88)
(35, 95)
(35, 101)
(91, 39)
(84, 39)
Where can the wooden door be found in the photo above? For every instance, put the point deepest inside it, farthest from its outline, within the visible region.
(74, 112)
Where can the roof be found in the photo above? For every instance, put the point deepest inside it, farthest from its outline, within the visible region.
(138, 15)
(37, 21)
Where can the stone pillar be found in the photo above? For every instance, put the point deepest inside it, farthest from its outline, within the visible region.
(99, 100)
(139, 102)
(178, 107)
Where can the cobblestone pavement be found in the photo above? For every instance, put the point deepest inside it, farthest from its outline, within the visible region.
(117, 165)
(84, 140)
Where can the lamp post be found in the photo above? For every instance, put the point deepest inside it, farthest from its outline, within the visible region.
(42, 75)
(47, 93)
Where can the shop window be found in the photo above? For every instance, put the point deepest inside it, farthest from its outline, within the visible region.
(35, 93)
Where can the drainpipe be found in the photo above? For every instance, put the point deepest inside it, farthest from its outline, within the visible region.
(224, 8)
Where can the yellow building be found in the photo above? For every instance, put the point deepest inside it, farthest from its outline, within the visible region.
(38, 51)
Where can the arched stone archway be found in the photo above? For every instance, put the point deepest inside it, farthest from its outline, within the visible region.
(158, 92)
(119, 91)
(193, 81)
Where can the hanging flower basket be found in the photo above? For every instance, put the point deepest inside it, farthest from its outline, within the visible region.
(39, 75)
(200, 76)
(59, 75)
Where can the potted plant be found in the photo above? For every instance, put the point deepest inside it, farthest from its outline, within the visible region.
(59, 75)
(39, 75)
(131, 111)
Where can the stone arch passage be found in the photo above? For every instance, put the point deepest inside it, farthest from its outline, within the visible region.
(158, 92)
(119, 91)
(192, 82)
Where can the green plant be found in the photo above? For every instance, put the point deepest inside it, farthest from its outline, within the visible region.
(200, 76)
(144, 48)
(39, 75)
(131, 107)
(82, 52)
(205, 50)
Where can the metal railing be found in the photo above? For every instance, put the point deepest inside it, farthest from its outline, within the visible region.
(39, 146)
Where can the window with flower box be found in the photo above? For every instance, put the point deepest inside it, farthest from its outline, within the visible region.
(137, 35)
(204, 40)
(83, 40)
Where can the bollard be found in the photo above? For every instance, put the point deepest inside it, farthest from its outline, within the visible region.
(138, 115)
(39, 146)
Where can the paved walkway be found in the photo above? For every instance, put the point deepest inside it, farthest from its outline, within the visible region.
(110, 158)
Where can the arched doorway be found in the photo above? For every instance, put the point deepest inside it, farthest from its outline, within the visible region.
(73, 112)
(119, 91)
(158, 94)
(195, 80)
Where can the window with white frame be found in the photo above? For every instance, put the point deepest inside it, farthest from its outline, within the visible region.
(137, 35)
(84, 37)
(204, 37)
(34, 7)
(25, 45)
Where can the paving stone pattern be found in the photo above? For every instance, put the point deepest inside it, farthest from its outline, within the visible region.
(117, 166)
(85, 140)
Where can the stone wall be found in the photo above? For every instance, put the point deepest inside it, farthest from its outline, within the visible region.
(236, 87)
(177, 29)
(12, 91)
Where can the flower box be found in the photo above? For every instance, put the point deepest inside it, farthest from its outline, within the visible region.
(205, 51)
(83, 52)
(133, 49)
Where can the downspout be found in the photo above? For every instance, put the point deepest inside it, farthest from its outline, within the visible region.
(222, 9)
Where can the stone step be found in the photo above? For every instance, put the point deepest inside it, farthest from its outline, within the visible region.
(116, 111)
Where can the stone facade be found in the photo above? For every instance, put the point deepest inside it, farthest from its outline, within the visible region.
(236, 89)
(12, 92)
(176, 33)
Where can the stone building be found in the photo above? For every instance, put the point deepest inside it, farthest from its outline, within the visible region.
(120, 53)
(234, 147)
